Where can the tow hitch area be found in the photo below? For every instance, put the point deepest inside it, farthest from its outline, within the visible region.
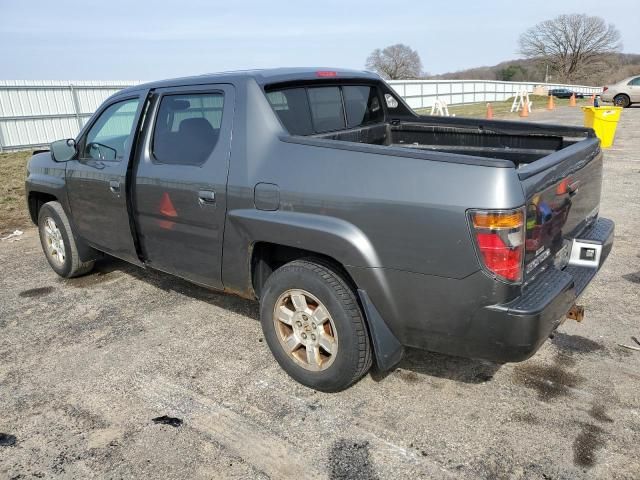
(576, 312)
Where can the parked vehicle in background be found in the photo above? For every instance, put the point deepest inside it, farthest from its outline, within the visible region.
(360, 226)
(564, 93)
(623, 93)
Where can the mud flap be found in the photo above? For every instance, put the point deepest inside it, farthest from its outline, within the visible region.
(386, 347)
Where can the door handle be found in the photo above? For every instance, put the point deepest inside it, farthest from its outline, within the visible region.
(206, 197)
(114, 186)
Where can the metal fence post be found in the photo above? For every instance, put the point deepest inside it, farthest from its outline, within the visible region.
(76, 105)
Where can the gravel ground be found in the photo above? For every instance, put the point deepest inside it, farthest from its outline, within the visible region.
(87, 364)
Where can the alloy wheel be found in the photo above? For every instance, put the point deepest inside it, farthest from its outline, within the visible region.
(305, 329)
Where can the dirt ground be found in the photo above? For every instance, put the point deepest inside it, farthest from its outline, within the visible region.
(87, 364)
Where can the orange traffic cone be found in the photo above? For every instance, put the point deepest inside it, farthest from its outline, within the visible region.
(572, 100)
(550, 104)
(489, 111)
(525, 108)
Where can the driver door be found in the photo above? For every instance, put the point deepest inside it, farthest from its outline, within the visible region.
(96, 180)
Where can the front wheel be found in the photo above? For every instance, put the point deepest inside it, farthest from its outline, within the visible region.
(58, 243)
(314, 326)
(621, 101)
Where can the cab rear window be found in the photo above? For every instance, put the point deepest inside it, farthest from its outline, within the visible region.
(310, 110)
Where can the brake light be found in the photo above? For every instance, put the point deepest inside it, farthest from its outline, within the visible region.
(326, 73)
(604, 89)
(499, 237)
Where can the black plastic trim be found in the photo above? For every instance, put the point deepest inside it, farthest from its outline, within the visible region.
(387, 348)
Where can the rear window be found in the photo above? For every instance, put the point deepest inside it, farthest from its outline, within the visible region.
(326, 108)
(309, 110)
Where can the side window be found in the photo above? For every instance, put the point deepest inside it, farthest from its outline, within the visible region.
(292, 107)
(391, 101)
(326, 108)
(187, 128)
(109, 137)
(362, 105)
(635, 82)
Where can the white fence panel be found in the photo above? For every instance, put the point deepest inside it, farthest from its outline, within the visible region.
(456, 92)
(35, 113)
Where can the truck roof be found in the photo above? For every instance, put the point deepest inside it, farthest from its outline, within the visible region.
(261, 76)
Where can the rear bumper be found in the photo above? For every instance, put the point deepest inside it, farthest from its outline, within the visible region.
(514, 331)
(465, 317)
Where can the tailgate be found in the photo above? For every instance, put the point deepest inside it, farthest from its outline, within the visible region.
(563, 197)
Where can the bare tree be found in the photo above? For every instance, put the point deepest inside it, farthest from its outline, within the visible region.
(572, 45)
(396, 62)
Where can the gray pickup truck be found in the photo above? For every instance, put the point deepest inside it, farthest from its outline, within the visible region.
(359, 225)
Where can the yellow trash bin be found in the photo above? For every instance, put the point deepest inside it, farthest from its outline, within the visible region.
(604, 121)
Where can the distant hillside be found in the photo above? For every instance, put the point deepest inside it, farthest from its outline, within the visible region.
(609, 70)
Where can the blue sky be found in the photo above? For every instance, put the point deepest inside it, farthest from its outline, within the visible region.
(146, 40)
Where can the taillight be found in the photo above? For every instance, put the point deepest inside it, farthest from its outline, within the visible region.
(499, 237)
(604, 89)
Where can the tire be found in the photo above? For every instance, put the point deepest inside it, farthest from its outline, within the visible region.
(58, 243)
(621, 101)
(343, 331)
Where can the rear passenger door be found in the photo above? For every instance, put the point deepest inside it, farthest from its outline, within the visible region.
(180, 181)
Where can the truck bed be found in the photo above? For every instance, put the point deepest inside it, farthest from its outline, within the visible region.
(476, 138)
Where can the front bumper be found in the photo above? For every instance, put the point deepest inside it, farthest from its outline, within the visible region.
(514, 331)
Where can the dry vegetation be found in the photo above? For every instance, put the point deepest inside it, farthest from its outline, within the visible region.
(13, 207)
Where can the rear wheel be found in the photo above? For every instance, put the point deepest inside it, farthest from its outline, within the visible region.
(621, 101)
(314, 327)
(58, 243)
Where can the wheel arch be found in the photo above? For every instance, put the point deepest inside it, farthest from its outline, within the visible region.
(252, 233)
(35, 200)
(266, 257)
(622, 94)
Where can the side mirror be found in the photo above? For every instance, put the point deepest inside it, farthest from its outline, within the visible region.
(101, 152)
(63, 150)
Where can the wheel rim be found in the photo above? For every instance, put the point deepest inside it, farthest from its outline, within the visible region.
(53, 241)
(305, 330)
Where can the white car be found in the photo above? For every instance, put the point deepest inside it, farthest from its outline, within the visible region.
(623, 93)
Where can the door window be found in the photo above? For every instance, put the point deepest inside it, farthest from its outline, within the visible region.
(635, 82)
(110, 135)
(187, 128)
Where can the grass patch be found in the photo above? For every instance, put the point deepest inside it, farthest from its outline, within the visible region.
(13, 206)
(502, 109)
